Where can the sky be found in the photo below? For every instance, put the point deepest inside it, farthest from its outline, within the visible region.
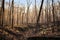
(24, 2)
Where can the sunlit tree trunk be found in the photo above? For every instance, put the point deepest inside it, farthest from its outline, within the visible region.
(17, 16)
(49, 14)
(28, 6)
(35, 11)
(27, 11)
(9, 13)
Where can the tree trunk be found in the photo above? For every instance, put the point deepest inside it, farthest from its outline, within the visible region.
(37, 25)
(35, 11)
(53, 12)
(12, 11)
(39, 12)
(3, 1)
(53, 16)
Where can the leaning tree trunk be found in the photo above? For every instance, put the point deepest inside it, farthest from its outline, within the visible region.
(38, 18)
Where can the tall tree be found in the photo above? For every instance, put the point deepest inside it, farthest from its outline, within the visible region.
(3, 1)
(9, 12)
(28, 6)
(1, 12)
(38, 18)
(47, 14)
(12, 11)
(53, 15)
(17, 15)
(35, 10)
(53, 11)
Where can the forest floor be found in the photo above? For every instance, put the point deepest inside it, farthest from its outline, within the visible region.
(21, 33)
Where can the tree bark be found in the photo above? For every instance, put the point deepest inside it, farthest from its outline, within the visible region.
(12, 11)
(37, 29)
(3, 1)
(53, 12)
(39, 12)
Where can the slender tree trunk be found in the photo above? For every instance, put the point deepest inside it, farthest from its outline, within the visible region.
(17, 15)
(1, 13)
(53, 15)
(8, 18)
(47, 15)
(9, 13)
(37, 25)
(3, 1)
(27, 13)
(38, 18)
(35, 11)
(53, 12)
(28, 5)
(12, 11)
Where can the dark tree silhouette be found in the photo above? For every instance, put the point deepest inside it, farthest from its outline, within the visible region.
(53, 15)
(37, 25)
(3, 1)
(12, 11)
(40, 12)
(53, 11)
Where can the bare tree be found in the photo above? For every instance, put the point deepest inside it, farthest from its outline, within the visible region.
(38, 18)
(3, 1)
(9, 13)
(23, 14)
(53, 15)
(28, 6)
(37, 25)
(17, 15)
(0, 12)
(47, 14)
(53, 11)
(12, 11)
(35, 10)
